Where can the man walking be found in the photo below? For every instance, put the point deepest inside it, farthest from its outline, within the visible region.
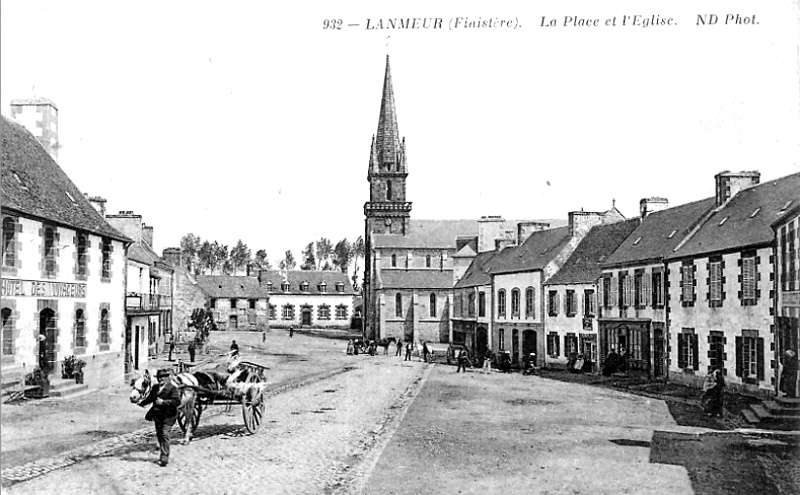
(399, 348)
(462, 361)
(234, 349)
(165, 398)
(408, 351)
(171, 346)
(291, 331)
(192, 350)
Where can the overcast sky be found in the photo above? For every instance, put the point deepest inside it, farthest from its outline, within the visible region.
(249, 120)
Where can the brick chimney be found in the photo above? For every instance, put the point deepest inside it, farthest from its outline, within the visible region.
(98, 203)
(40, 117)
(581, 222)
(147, 234)
(489, 228)
(525, 229)
(650, 205)
(172, 256)
(729, 183)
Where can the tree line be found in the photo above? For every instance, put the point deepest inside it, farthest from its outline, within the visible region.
(204, 257)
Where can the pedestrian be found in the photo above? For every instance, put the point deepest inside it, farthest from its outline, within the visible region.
(291, 331)
(171, 346)
(487, 363)
(165, 398)
(399, 348)
(611, 363)
(789, 374)
(426, 354)
(234, 349)
(350, 347)
(462, 361)
(192, 350)
(264, 336)
(408, 351)
(714, 394)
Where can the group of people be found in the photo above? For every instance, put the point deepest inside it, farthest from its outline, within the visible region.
(615, 362)
(192, 348)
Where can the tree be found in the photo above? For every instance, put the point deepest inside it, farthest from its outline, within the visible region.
(358, 252)
(223, 258)
(324, 251)
(190, 246)
(309, 263)
(207, 257)
(288, 262)
(261, 262)
(342, 254)
(240, 256)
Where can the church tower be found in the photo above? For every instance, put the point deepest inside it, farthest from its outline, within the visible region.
(387, 211)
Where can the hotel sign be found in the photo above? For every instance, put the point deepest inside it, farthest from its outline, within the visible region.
(41, 288)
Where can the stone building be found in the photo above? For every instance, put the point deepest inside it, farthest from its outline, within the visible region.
(148, 302)
(721, 283)
(571, 321)
(308, 298)
(238, 302)
(187, 295)
(63, 268)
(787, 281)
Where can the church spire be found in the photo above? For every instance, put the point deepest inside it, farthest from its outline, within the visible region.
(388, 151)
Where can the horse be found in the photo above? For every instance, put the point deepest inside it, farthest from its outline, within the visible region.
(219, 378)
(385, 343)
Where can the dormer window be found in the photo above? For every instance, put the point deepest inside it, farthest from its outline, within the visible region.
(304, 287)
(285, 286)
(269, 287)
(339, 287)
(323, 287)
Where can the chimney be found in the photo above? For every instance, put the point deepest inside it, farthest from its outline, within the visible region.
(40, 117)
(172, 256)
(98, 203)
(502, 243)
(650, 205)
(127, 223)
(525, 229)
(147, 234)
(581, 222)
(489, 228)
(730, 183)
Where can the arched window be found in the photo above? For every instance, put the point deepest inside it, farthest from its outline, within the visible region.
(394, 260)
(9, 242)
(388, 190)
(501, 302)
(104, 326)
(398, 305)
(432, 307)
(80, 329)
(427, 261)
(8, 332)
(515, 302)
(530, 311)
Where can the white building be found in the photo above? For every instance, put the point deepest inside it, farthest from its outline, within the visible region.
(306, 298)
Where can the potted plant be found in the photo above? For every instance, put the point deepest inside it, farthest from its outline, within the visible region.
(73, 368)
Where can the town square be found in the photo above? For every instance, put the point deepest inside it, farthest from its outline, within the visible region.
(579, 274)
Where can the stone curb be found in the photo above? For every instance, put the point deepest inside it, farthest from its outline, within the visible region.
(34, 469)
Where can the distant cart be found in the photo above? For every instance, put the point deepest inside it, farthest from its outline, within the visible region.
(245, 392)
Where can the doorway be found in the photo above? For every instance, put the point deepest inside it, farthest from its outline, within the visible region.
(136, 347)
(128, 359)
(481, 341)
(47, 340)
(528, 342)
(233, 322)
(305, 317)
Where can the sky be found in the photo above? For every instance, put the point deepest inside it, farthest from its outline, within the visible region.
(249, 120)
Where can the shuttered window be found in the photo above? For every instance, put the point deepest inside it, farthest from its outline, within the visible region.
(687, 284)
(688, 351)
(715, 283)
(530, 309)
(750, 357)
(749, 279)
(501, 302)
(658, 289)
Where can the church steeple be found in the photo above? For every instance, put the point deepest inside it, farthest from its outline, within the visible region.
(388, 151)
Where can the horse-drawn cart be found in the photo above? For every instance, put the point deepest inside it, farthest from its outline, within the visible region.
(247, 390)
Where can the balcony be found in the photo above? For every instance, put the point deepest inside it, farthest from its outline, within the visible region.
(147, 302)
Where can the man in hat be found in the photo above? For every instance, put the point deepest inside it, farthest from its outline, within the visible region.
(165, 398)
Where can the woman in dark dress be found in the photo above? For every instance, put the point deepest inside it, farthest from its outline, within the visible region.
(714, 395)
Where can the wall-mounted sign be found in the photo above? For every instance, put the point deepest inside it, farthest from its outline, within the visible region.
(41, 288)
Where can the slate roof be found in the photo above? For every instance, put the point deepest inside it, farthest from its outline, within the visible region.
(478, 272)
(584, 264)
(143, 253)
(34, 185)
(659, 233)
(231, 286)
(416, 279)
(440, 234)
(745, 220)
(314, 279)
(534, 254)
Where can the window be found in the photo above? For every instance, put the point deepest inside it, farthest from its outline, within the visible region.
(552, 303)
(8, 332)
(607, 292)
(589, 308)
(213, 303)
(106, 259)
(687, 284)
(285, 286)
(104, 336)
(272, 312)
(572, 304)
(749, 279)
(394, 261)
(341, 312)
(398, 305)
(304, 287)
(716, 351)
(432, 306)
(427, 261)
(80, 329)
(624, 290)
(750, 356)
(9, 242)
(638, 290)
(658, 289)
(570, 344)
(233, 303)
(530, 309)
(323, 287)
(471, 304)
(339, 287)
(552, 344)
(288, 312)
(501, 335)
(501, 303)
(715, 282)
(388, 190)
(515, 302)
(269, 287)
(251, 303)
(481, 304)
(324, 312)
(687, 350)
(82, 259)
(50, 250)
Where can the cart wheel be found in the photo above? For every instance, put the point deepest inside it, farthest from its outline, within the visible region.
(198, 410)
(252, 410)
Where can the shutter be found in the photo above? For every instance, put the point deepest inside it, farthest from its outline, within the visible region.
(557, 343)
(760, 358)
(600, 291)
(739, 356)
(681, 353)
(558, 303)
(566, 346)
(695, 352)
